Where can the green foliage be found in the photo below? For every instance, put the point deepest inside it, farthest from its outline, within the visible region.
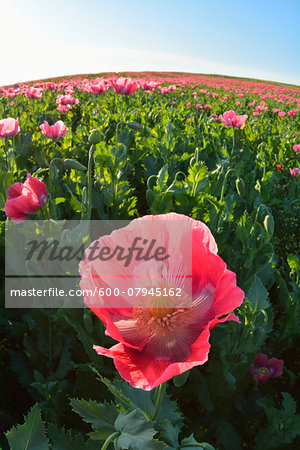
(283, 425)
(31, 435)
(153, 156)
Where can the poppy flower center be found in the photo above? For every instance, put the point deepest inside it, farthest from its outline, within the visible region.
(263, 371)
(160, 307)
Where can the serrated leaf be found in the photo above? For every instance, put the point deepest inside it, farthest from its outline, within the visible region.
(288, 403)
(170, 433)
(258, 295)
(228, 436)
(64, 440)
(100, 416)
(136, 432)
(31, 435)
(169, 411)
(140, 399)
(201, 445)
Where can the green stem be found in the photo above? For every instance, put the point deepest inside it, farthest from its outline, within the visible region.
(158, 399)
(233, 140)
(90, 162)
(224, 182)
(110, 439)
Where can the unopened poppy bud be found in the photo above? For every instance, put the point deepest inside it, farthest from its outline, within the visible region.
(150, 196)
(72, 164)
(134, 125)
(240, 187)
(269, 224)
(95, 137)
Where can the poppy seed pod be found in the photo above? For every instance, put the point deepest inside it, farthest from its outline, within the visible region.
(95, 137)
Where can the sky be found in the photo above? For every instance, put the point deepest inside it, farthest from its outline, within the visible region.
(246, 38)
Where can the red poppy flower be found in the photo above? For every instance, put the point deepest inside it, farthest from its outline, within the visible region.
(160, 335)
(25, 198)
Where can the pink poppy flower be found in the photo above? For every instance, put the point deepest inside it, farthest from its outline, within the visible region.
(55, 131)
(264, 369)
(125, 86)
(295, 172)
(296, 147)
(160, 335)
(281, 114)
(34, 93)
(9, 127)
(25, 198)
(66, 100)
(63, 108)
(98, 88)
(232, 120)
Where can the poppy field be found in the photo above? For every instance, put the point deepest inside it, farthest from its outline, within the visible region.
(202, 353)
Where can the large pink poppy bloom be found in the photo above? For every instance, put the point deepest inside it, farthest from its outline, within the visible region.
(125, 86)
(9, 127)
(161, 335)
(25, 198)
(232, 120)
(55, 131)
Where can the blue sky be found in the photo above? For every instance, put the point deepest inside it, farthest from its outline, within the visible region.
(248, 38)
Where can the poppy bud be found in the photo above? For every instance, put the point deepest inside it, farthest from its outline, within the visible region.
(95, 137)
(72, 164)
(240, 187)
(134, 125)
(269, 224)
(150, 196)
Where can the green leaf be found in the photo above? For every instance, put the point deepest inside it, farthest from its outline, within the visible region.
(293, 262)
(194, 444)
(100, 416)
(227, 436)
(136, 432)
(258, 295)
(139, 398)
(31, 435)
(288, 403)
(59, 200)
(179, 380)
(64, 440)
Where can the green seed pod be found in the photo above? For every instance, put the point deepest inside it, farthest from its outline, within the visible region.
(240, 186)
(72, 164)
(95, 137)
(269, 224)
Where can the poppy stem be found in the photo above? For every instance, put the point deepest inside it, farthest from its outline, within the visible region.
(158, 399)
(90, 180)
(109, 440)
